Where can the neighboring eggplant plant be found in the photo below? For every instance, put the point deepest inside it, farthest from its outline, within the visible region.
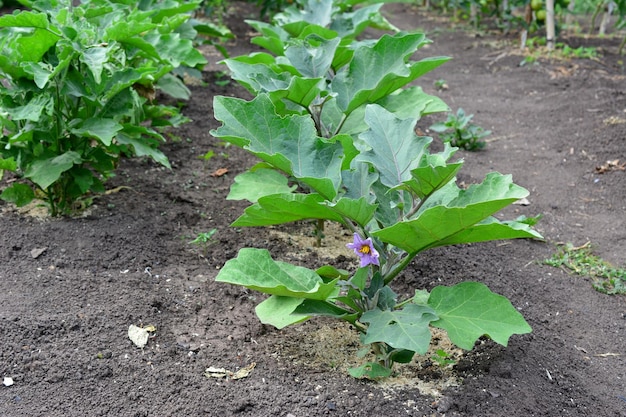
(333, 124)
(77, 90)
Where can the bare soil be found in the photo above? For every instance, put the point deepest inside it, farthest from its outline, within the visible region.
(65, 312)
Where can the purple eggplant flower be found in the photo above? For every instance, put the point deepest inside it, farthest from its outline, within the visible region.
(364, 248)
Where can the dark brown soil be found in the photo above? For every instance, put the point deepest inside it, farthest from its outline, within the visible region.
(64, 315)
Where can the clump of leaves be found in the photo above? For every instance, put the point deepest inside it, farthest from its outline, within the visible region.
(580, 260)
(459, 131)
(77, 90)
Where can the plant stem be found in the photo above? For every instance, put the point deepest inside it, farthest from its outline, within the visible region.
(319, 231)
(398, 268)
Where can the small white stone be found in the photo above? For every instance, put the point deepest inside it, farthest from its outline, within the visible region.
(7, 381)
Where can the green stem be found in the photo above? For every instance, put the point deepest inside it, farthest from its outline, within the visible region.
(343, 120)
(398, 268)
(319, 230)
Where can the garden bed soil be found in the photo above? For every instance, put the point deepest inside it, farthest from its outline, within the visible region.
(70, 288)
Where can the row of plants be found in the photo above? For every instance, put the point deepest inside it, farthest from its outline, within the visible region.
(78, 87)
(333, 123)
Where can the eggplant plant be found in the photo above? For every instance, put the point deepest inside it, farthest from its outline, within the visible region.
(333, 123)
(77, 92)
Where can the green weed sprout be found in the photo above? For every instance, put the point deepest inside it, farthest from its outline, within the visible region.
(459, 131)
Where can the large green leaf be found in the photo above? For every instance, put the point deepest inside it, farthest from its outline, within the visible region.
(21, 18)
(255, 269)
(286, 208)
(258, 72)
(102, 129)
(253, 184)
(122, 30)
(401, 329)
(394, 148)
(278, 311)
(272, 37)
(142, 146)
(470, 310)
(380, 69)
(361, 211)
(176, 50)
(289, 143)
(433, 173)
(302, 91)
(324, 308)
(45, 172)
(349, 25)
(413, 103)
(438, 224)
(312, 56)
(34, 109)
(18, 194)
(21, 49)
(95, 58)
(317, 12)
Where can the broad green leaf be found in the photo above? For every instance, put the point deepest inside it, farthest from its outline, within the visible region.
(174, 8)
(312, 56)
(470, 310)
(95, 58)
(413, 103)
(255, 269)
(371, 370)
(125, 78)
(253, 184)
(492, 229)
(34, 109)
(329, 272)
(122, 30)
(317, 12)
(361, 211)
(8, 164)
(259, 73)
(21, 18)
(83, 178)
(141, 145)
(410, 103)
(173, 87)
(380, 69)
(394, 148)
(401, 329)
(350, 25)
(440, 223)
(272, 37)
(278, 311)
(45, 172)
(358, 181)
(40, 71)
(324, 308)
(176, 50)
(18, 194)
(33, 47)
(289, 143)
(301, 91)
(101, 129)
(286, 208)
(425, 180)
